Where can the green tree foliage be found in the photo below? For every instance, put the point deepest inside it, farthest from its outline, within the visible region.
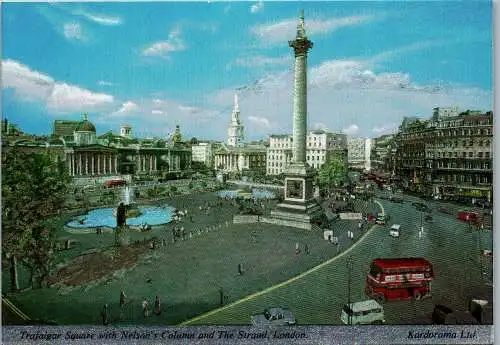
(332, 174)
(34, 187)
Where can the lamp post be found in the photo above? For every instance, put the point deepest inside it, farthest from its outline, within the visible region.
(349, 269)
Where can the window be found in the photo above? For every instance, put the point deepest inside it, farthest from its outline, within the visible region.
(470, 154)
(480, 154)
(486, 155)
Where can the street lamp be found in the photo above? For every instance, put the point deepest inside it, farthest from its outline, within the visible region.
(349, 268)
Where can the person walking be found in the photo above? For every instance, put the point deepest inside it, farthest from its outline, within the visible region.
(297, 248)
(145, 308)
(157, 307)
(105, 315)
(123, 298)
(306, 249)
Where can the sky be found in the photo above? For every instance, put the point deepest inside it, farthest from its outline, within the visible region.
(156, 65)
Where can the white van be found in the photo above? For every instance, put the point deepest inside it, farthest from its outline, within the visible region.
(394, 231)
(363, 313)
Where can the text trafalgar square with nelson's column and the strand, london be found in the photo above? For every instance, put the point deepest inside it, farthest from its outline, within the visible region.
(299, 208)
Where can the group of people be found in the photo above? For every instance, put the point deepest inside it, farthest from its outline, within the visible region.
(105, 314)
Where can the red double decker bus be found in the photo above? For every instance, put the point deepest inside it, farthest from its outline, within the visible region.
(397, 279)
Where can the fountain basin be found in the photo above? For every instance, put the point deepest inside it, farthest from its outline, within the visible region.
(104, 217)
(131, 211)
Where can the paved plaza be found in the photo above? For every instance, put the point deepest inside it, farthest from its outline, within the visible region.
(188, 275)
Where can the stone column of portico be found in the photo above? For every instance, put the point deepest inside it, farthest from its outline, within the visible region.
(109, 161)
(79, 164)
(300, 45)
(99, 164)
(93, 165)
(116, 164)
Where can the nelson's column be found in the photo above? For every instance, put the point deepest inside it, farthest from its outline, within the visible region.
(299, 209)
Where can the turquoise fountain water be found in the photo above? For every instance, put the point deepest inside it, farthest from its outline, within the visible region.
(106, 217)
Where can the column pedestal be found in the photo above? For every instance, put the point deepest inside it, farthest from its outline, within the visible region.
(299, 208)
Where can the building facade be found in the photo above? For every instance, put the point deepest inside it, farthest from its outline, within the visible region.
(383, 153)
(356, 152)
(449, 158)
(320, 147)
(230, 159)
(88, 157)
(203, 153)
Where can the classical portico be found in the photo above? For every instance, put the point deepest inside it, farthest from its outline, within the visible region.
(92, 161)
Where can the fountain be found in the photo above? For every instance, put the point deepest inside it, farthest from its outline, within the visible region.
(135, 215)
(132, 211)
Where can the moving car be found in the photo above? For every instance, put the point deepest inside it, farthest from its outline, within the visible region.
(443, 315)
(421, 207)
(381, 219)
(396, 199)
(363, 313)
(274, 316)
(394, 231)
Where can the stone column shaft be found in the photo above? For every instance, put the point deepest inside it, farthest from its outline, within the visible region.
(300, 110)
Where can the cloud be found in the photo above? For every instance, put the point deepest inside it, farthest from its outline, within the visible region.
(58, 97)
(342, 93)
(105, 83)
(259, 121)
(257, 7)
(285, 30)
(102, 19)
(351, 130)
(320, 126)
(73, 31)
(174, 43)
(260, 61)
(127, 108)
(356, 74)
(385, 128)
(156, 112)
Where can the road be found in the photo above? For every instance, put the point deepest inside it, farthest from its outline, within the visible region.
(317, 298)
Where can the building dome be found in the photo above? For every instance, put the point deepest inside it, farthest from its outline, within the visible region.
(85, 126)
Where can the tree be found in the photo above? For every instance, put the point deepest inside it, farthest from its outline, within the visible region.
(34, 187)
(332, 174)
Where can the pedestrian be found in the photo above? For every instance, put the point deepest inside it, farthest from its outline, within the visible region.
(221, 295)
(306, 249)
(122, 298)
(297, 248)
(157, 307)
(145, 308)
(240, 269)
(163, 242)
(105, 315)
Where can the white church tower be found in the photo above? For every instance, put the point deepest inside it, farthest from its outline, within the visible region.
(235, 130)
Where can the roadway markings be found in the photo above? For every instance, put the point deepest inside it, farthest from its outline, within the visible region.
(15, 309)
(285, 283)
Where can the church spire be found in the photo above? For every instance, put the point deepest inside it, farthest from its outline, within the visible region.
(236, 109)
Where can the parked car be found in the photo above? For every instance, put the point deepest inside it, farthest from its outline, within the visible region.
(428, 218)
(363, 313)
(443, 315)
(274, 316)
